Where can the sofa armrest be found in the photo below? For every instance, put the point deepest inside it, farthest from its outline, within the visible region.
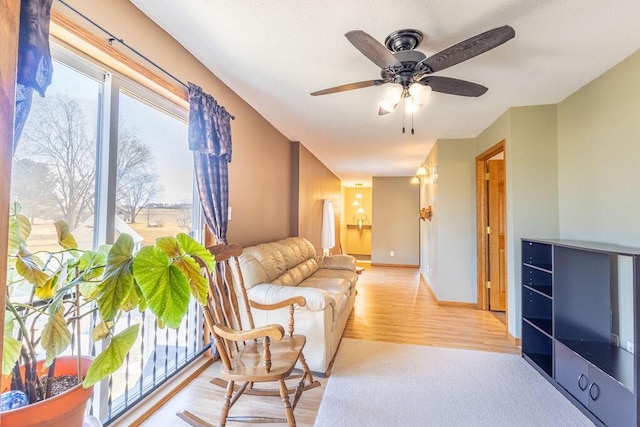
(337, 262)
(268, 293)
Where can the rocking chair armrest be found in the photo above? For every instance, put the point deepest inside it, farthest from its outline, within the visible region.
(300, 300)
(273, 331)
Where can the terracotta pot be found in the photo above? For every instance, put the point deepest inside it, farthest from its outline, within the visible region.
(64, 410)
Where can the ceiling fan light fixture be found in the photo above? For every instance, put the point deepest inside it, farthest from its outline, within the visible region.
(386, 107)
(419, 93)
(392, 94)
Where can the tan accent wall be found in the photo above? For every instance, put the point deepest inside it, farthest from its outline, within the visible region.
(259, 175)
(9, 22)
(311, 184)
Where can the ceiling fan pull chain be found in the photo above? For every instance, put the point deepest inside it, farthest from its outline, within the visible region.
(402, 100)
(412, 109)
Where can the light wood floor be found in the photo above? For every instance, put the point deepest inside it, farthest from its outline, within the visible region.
(392, 305)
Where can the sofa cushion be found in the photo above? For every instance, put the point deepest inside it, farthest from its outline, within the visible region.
(252, 270)
(303, 247)
(337, 262)
(267, 293)
(347, 275)
(329, 284)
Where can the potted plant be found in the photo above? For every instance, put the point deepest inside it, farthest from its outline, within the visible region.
(67, 285)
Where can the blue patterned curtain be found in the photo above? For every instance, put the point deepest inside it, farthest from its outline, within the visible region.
(210, 141)
(34, 59)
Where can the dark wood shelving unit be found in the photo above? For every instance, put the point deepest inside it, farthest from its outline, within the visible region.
(579, 301)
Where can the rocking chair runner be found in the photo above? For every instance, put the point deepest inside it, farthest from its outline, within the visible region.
(254, 355)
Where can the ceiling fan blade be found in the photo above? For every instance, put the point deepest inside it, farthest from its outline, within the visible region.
(469, 48)
(372, 49)
(349, 86)
(453, 86)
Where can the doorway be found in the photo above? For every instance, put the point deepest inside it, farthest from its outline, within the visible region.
(491, 220)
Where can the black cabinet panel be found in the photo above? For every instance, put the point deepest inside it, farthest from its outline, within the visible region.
(572, 373)
(609, 400)
(581, 295)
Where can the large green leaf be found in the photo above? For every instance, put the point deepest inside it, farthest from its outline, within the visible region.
(27, 266)
(48, 290)
(65, 238)
(56, 336)
(163, 285)
(132, 300)
(111, 357)
(11, 346)
(195, 249)
(10, 353)
(101, 331)
(197, 282)
(169, 245)
(15, 240)
(92, 265)
(118, 279)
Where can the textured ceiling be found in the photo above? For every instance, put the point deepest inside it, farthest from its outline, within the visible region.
(273, 53)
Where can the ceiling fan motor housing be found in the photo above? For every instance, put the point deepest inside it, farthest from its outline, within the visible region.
(401, 40)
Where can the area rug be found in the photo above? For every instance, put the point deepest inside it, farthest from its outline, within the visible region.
(383, 384)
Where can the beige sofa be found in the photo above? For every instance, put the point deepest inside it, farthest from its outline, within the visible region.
(278, 270)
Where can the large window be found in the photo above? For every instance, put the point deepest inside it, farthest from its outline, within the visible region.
(54, 167)
(155, 173)
(108, 157)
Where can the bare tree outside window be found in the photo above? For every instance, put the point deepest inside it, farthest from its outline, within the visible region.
(57, 136)
(56, 179)
(138, 183)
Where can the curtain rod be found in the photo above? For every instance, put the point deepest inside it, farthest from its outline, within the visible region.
(112, 38)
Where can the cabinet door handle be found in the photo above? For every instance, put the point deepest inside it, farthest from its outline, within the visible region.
(594, 391)
(583, 382)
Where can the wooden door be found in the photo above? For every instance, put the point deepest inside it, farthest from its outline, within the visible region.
(497, 232)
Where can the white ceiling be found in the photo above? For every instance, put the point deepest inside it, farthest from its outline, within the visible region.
(273, 53)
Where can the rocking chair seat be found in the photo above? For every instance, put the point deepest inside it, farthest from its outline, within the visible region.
(248, 363)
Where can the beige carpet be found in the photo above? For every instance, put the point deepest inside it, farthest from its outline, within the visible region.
(382, 384)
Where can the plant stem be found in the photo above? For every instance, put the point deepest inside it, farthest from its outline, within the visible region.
(78, 331)
(23, 329)
(50, 375)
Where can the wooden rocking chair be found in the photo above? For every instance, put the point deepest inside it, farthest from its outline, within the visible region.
(254, 355)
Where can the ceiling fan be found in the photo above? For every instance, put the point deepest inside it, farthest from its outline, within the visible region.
(403, 65)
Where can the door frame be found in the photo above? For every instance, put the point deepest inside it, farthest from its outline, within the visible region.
(482, 207)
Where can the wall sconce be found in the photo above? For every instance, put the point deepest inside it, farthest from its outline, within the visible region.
(421, 174)
(426, 213)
